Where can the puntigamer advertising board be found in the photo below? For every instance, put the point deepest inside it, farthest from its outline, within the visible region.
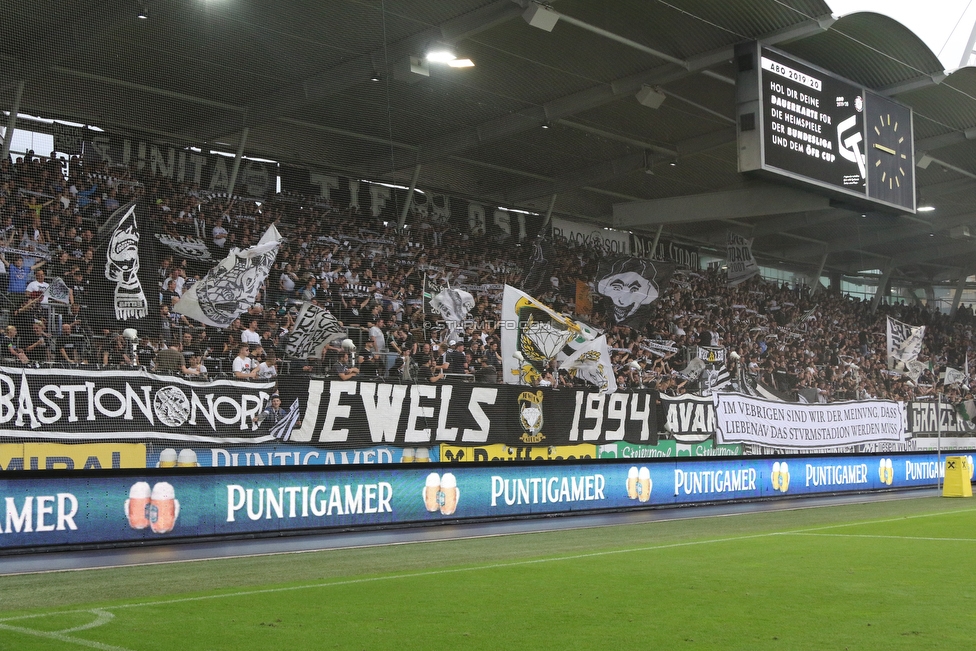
(156, 505)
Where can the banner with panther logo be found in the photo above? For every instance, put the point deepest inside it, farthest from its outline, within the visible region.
(75, 406)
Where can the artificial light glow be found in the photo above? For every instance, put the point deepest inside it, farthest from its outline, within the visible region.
(925, 209)
(441, 56)
(461, 63)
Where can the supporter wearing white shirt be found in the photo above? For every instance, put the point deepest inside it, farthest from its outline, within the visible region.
(244, 366)
(251, 336)
(38, 285)
(267, 369)
(219, 235)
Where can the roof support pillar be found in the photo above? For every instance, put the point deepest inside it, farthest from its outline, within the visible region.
(8, 135)
(882, 285)
(960, 286)
(820, 268)
(237, 162)
(409, 200)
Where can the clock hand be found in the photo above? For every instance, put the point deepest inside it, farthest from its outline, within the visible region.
(886, 150)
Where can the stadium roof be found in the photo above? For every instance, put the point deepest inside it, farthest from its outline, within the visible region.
(298, 79)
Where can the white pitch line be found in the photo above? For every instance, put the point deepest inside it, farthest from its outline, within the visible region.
(389, 577)
(103, 617)
(868, 535)
(411, 575)
(880, 521)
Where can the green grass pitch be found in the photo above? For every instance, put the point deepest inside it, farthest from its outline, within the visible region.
(894, 574)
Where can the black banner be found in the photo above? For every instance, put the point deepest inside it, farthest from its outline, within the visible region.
(921, 418)
(685, 256)
(363, 414)
(386, 202)
(84, 405)
(691, 416)
(211, 172)
(125, 285)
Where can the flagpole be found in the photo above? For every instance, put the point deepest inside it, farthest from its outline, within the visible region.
(938, 430)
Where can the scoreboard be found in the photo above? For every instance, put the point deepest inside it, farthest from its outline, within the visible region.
(801, 123)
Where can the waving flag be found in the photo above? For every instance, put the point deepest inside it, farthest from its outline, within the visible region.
(231, 288)
(314, 329)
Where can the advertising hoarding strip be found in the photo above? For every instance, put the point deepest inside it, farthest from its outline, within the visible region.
(70, 509)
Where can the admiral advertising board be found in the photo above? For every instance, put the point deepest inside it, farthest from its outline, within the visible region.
(66, 509)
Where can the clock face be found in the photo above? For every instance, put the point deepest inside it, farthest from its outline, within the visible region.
(890, 152)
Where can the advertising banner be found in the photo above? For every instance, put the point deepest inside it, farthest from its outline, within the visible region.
(83, 405)
(250, 456)
(498, 452)
(348, 414)
(668, 448)
(74, 509)
(743, 419)
(66, 456)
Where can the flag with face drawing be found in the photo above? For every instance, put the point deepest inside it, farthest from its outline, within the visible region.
(124, 290)
(628, 286)
(231, 288)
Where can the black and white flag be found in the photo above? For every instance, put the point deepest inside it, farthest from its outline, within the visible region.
(231, 288)
(313, 330)
(123, 290)
(715, 380)
(904, 343)
(58, 292)
(192, 248)
(283, 428)
(450, 304)
(629, 285)
(741, 265)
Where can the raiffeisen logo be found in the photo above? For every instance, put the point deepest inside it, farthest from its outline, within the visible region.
(781, 476)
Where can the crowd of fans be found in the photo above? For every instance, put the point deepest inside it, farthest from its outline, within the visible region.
(370, 276)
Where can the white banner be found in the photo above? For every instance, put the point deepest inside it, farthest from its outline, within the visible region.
(741, 265)
(591, 235)
(742, 419)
